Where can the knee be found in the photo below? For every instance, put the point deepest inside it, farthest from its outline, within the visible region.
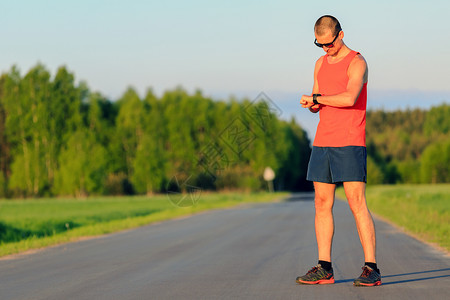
(357, 205)
(323, 204)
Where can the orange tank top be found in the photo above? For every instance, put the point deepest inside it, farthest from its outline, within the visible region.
(340, 126)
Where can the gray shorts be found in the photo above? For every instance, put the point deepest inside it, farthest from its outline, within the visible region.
(337, 164)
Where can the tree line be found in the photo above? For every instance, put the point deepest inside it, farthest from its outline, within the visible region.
(59, 138)
(409, 146)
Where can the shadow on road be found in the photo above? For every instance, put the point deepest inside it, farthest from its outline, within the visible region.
(383, 277)
(418, 279)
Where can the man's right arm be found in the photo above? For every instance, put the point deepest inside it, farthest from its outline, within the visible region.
(315, 108)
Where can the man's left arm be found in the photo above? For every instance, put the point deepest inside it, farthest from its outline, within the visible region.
(357, 73)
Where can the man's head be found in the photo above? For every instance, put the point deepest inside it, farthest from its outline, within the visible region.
(328, 34)
(325, 23)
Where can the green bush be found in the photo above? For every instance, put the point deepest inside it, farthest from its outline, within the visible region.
(435, 161)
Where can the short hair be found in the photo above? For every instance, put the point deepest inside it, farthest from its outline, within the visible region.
(325, 23)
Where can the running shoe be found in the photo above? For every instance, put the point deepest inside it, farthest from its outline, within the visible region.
(317, 275)
(369, 277)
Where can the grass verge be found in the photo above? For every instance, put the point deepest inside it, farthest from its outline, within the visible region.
(421, 210)
(37, 223)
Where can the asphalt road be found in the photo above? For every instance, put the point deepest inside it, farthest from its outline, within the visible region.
(252, 252)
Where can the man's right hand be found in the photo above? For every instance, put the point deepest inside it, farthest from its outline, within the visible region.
(315, 108)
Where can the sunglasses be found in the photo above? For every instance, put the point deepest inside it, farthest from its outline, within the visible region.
(328, 45)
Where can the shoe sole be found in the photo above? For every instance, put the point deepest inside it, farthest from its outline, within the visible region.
(367, 284)
(321, 281)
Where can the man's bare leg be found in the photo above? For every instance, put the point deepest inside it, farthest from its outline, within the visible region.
(324, 223)
(324, 200)
(356, 196)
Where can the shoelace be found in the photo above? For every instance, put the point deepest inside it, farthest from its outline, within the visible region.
(366, 272)
(313, 270)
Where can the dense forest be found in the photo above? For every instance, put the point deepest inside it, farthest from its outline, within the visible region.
(410, 146)
(59, 138)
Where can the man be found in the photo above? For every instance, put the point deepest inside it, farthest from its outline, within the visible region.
(339, 152)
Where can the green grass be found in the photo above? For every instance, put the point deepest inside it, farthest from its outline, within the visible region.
(422, 210)
(36, 223)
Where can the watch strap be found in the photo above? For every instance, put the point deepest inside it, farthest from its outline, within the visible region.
(315, 98)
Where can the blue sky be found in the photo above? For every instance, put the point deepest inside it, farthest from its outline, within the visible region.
(232, 47)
